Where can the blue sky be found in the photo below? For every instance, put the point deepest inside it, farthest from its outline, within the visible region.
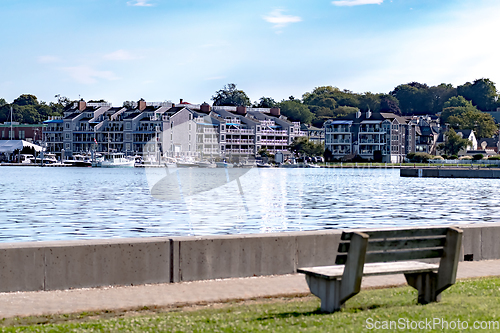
(170, 49)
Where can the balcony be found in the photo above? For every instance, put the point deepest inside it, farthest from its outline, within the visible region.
(348, 141)
(371, 130)
(274, 142)
(337, 130)
(239, 151)
(240, 141)
(240, 131)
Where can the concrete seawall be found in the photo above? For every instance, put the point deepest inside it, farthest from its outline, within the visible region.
(450, 172)
(93, 263)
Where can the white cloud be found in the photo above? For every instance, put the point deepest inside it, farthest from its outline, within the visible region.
(357, 2)
(139, 3)
(279, 20)
(119, 55)
(88, 75)
(47, 59)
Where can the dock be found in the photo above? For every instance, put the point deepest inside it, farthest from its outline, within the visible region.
(450, 172)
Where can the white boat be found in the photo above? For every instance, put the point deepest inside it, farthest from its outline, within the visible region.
(186, 164)
(206, 164)
(79, 161)
(116, 160)
(264, 165)
(26, 158)
(48, 158)
(223, 164)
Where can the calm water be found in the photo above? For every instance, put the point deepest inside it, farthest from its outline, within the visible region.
(39, 204)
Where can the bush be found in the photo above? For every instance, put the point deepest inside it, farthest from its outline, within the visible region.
(444, 156)
(477, 157)
(452, 157)
(419, 157)
(494, 158)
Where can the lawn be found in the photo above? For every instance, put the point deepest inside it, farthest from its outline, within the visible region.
(467, 303)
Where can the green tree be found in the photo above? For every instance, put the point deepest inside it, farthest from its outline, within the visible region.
(440, 94)
(26, 99)
(457, 101)
(296, 111)
(265, 102)
(454, 143)
(230, 96)
(481, 92)
(470, 117)
(2, 102)
(414, 98)
(301, 146)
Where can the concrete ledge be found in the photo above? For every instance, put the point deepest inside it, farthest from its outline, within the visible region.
(93, 263)
(102, 263)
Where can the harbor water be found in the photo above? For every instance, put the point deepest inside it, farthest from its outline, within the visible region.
(43, 204)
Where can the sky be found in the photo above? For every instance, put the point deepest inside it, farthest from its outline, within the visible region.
(159, 50)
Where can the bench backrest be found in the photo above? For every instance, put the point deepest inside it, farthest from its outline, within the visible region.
(399, 245)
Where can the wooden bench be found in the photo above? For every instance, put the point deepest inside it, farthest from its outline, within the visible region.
(384, 252)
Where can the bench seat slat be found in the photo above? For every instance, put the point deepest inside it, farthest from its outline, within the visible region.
(385, 268)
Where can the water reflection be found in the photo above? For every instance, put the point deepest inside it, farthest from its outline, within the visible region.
(68, 203)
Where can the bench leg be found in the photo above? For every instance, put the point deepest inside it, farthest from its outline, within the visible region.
(426, 284)
(327, 290)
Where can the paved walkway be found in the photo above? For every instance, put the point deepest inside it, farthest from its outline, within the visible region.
(186, 293)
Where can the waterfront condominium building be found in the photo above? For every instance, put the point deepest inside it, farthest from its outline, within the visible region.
(175, 130)
(369, 134)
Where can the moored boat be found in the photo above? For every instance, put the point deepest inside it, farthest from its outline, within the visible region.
(116, 160)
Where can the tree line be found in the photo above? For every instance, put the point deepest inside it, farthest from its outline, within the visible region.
(462, 106)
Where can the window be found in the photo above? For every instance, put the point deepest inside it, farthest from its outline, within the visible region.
(189, 139)
(67, 136)
(67, 146)
(222, 137)
(189, 126)
(258, 128)
(67, 125)
(22, 135)
(128, 125)
(258, 138)
(128, 136)
(127, 146)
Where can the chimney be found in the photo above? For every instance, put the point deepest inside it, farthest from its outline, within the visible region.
(141, 105)
(358, 114)
(181, 101)
(205, 107)
(241, 110)
(82, 105)
(275, 112)
(368, 113)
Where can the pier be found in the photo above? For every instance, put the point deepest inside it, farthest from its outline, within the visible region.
(450, 172)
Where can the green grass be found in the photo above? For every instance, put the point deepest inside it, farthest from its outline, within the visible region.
(467, 301)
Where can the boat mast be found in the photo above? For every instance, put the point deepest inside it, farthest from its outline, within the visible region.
(11, 131)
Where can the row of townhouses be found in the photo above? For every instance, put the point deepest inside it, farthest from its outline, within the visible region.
(174, 130)
(365, 133)
(393, 137)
